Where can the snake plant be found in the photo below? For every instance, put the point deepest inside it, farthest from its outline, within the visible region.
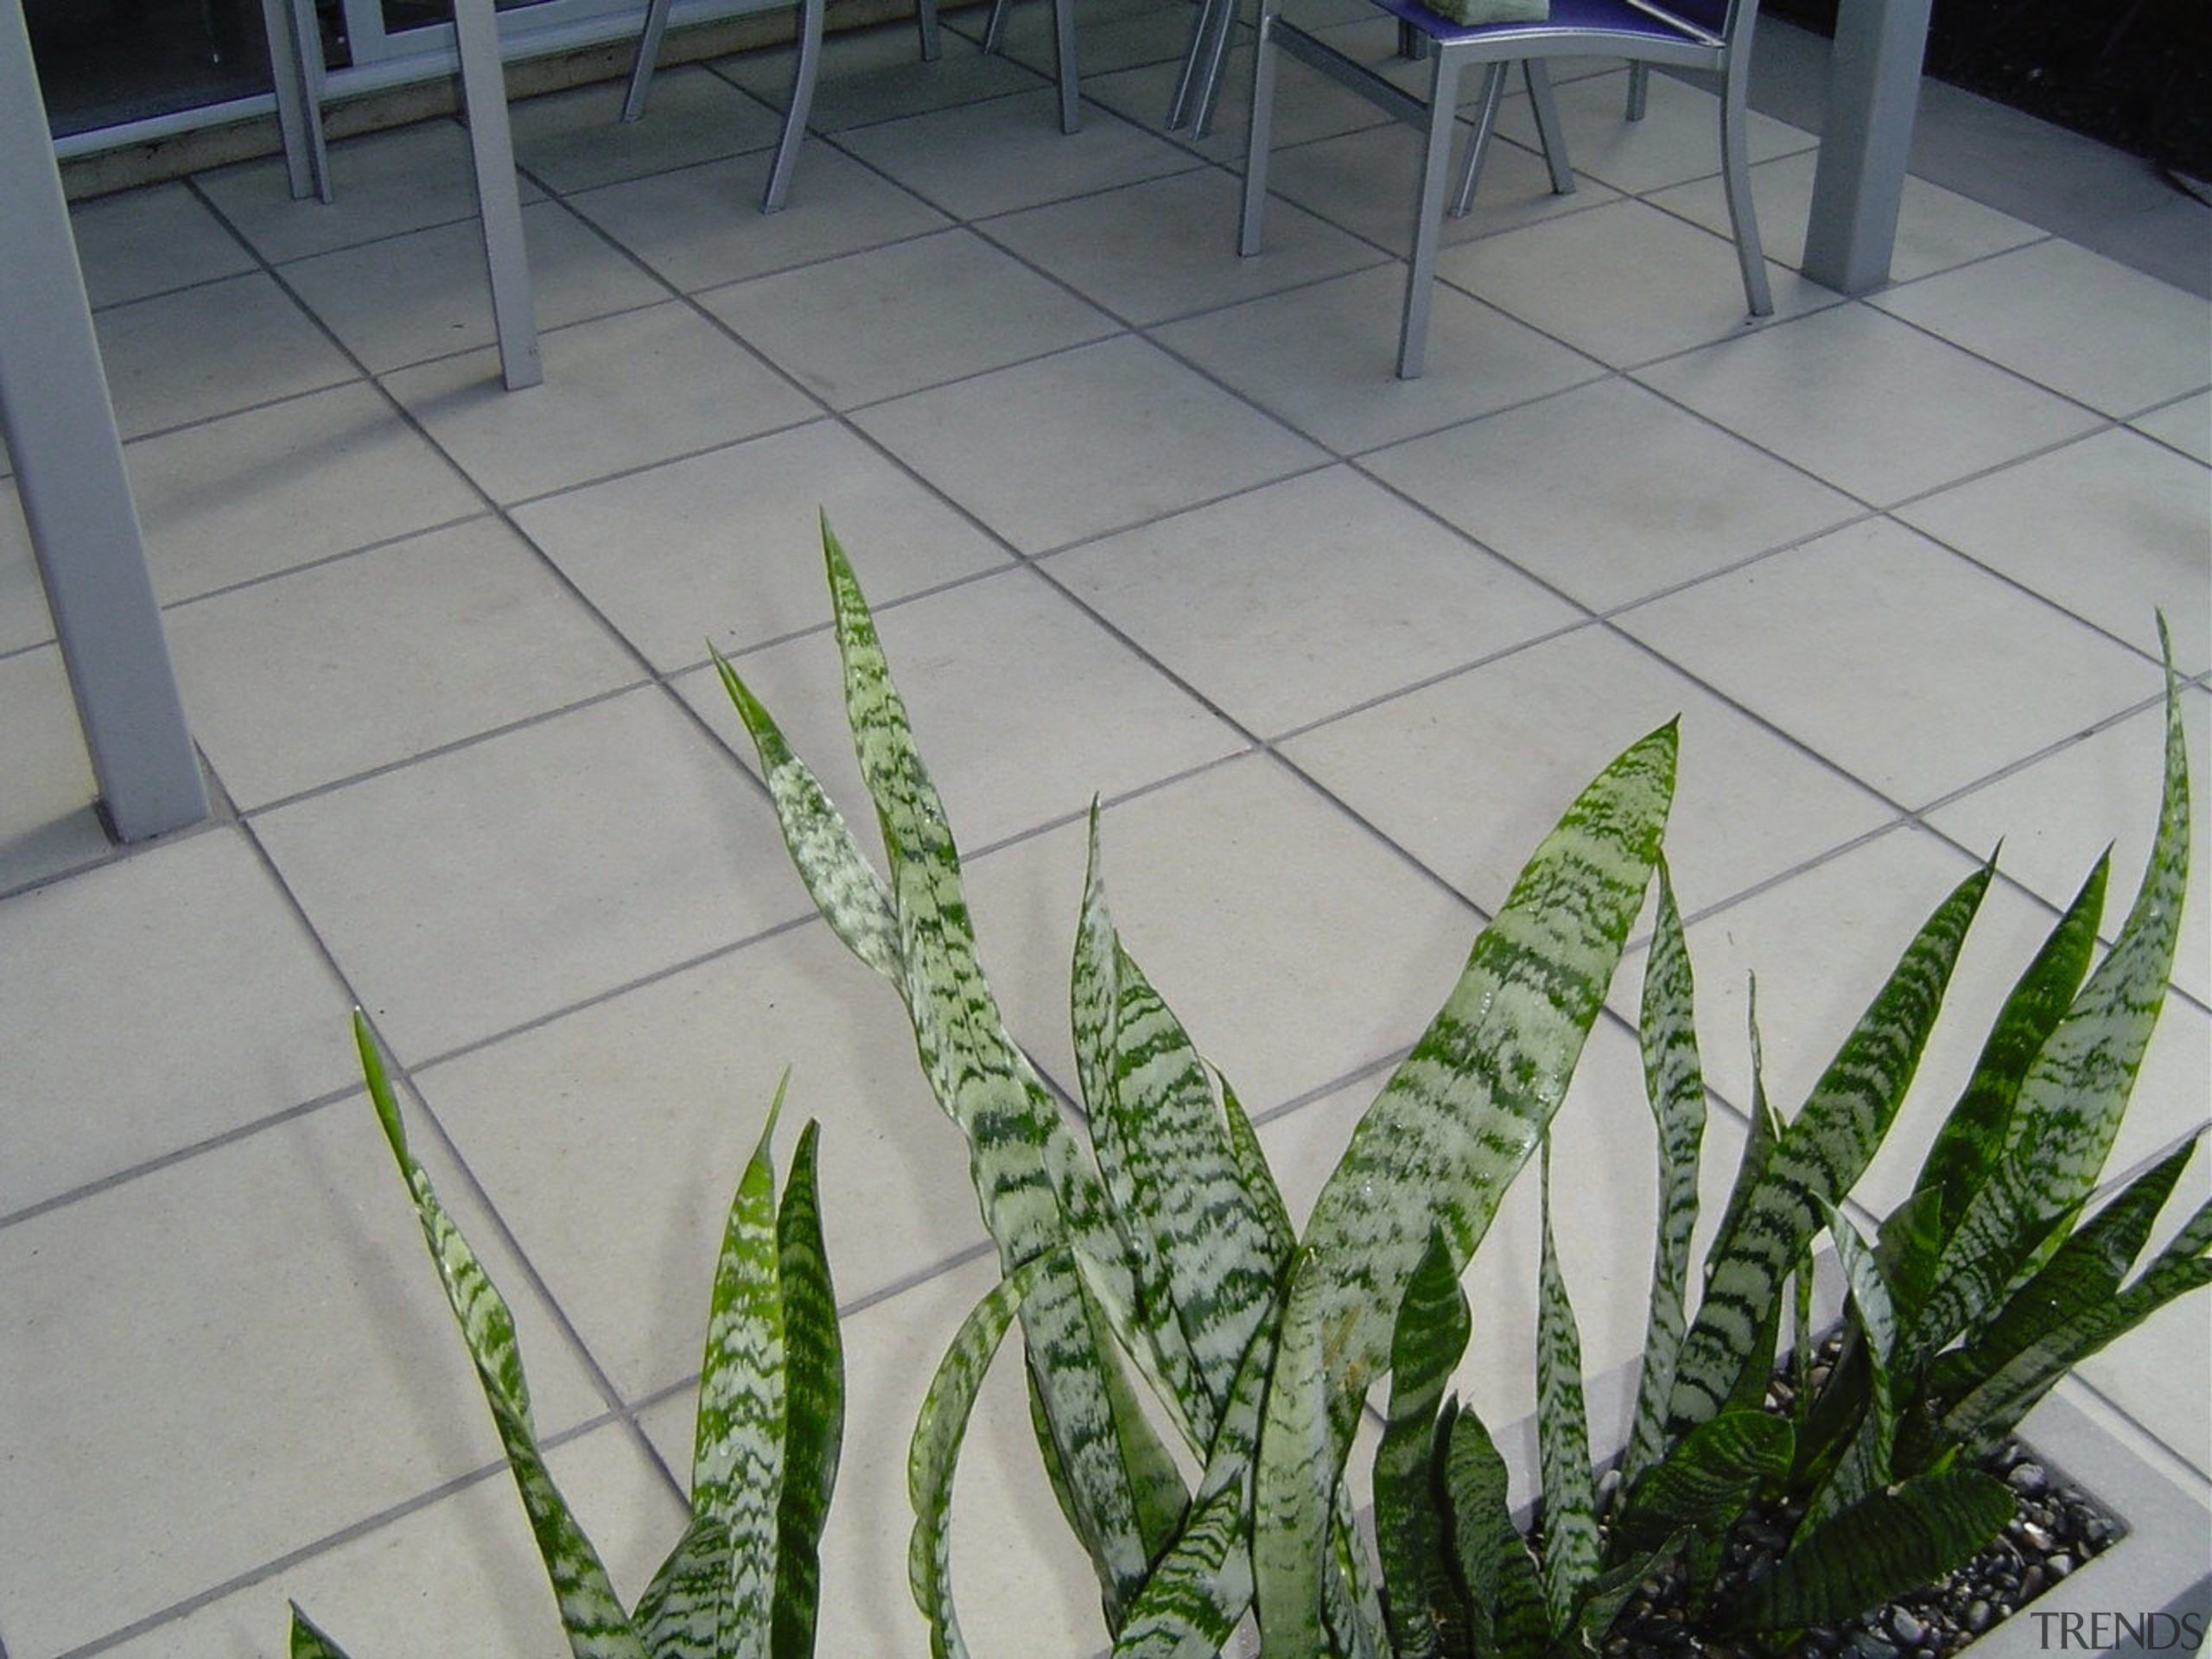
(1153, 1250)
(743, 1581)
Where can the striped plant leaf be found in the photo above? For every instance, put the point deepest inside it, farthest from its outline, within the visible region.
(1035, 1185)
(843, 884)
(1164, 1151)
(1571, 1554)
(1973, 1140)
(1352, 1601)
(1990, 1412)
(2087, 1270)
(2074, 1093)
(1451, 1128)
(1260, 1187)
(737, 1460)
(1503, 1610)
(1156, 1484)
(681, 1612)
(1203, 1584)
(1706, 1481)
(814, 1402)
(935, 1449)
(590, 1612)
(1864, 1466)
(1758, 1145)
(1818, 1159)
(1605, 1596)
(307, 1642)
(1887, 1543)
(1425, 1346)
(1674, 1084)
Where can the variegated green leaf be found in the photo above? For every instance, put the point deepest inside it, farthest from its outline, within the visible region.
(1974, 1136)
(1036, 1186)
(1864, 1466)
(681, 1614)
(1351, 1604)
(936, 1450)
(2072, 1099)
(814, 1402)
(1706, 1481)
(1765, 1134)
(1889, 1542)
(1259, 1186)
(1452, 1126)
(1202, 1586)
(843, 884)
(590, 1612)
(1505, 1605)
(1562, 1435)
(1165, 1152)
(1605, 1596)
(1819, 1156)
(737, 1460)
(2086, 1271)
(1990, 1412)
(1426, 1345)
(1674, 1084)
(1156, 1484)
(307, 1642)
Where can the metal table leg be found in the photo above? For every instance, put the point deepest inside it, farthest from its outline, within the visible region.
(1873, 93)
(295, 65)
(59, 427)
(483, 95)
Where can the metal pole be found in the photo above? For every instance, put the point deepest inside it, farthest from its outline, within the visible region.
(1873, 94)
(295, 68)
(484, 96)
(59, 427)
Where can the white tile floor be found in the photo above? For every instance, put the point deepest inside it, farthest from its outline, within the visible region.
(1142, 519)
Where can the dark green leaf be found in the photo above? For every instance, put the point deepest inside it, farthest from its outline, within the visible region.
(1562, 1433)
(1706, 1482)
(307, 1642)
(1820, 1155)
(1889, 1542)
(814, 1402)
(681, 1615)
(1426, 1345)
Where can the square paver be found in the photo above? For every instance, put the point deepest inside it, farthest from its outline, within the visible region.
(323, 674)
(1869, 405)
(2073, 321)
(574, 140)
(473, 890)
(1086, 442)
(1925, 674)
(621, 392)
(936, 307)
(1296, 600)
(1325, 359)
(211, 350)
(138, 243)
(727, 546)
(1609, 492)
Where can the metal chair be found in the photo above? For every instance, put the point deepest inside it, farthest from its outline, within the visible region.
(1711, 36)
(808, 67)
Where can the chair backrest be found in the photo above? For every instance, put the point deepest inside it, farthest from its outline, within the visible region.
(1719, 17)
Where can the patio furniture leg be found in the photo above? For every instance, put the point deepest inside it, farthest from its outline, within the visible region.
(1063, 64)
(1216, 55)
(1639, 89)
(296, 69)
(641, 68)
(1539, 78)
(925, 22)
(1858, 182)
(1428, 213)
(1736, 174)
(995, 29)
(484, 97)
(59, 426)
(1479, 146)
(798, 108)
(1262, 130)
(1178, 106)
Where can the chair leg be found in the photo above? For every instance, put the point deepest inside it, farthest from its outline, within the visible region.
(995, 30)
(641, 70)
(1260, 131)
(1186, 80)
(1539, 76)
(1639, 87)
(1063, 64)
(1736, 174)
(1479, 146)
(1428, 213)
(926, 21)
(1217, 55)
(798, 108)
